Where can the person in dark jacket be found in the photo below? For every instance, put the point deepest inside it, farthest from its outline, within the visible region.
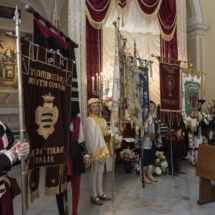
(177, 129)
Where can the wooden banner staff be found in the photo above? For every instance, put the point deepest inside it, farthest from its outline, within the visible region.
(20, 105)
(168, 59)
(141, 151)
(30, 9)
(57, 29)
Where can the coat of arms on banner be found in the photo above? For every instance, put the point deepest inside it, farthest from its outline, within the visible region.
(191, 85)
(192, 91)
(46, 116)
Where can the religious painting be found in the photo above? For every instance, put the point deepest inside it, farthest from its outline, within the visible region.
(8, 12)
(8, 63)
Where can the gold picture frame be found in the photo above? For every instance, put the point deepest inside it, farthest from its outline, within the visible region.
(8, 66)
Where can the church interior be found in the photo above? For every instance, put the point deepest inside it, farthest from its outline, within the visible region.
(126, 55)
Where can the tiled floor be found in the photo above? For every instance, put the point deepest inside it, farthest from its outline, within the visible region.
(169, 196)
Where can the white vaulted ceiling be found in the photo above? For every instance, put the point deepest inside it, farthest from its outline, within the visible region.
(44, 7)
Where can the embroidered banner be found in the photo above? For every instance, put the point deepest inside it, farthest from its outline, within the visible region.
(170, 87)
(118, 109)
(47, 95)
(191, 84)
(141, 95)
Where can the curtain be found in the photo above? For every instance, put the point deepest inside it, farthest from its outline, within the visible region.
(169, 49)
(148, 8)
(97, 12)
(166, 15)
(167, 19)
(94, 56)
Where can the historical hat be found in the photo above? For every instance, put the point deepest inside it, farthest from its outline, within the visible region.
(92, 101)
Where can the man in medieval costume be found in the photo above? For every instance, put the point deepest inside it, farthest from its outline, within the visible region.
(198, 135)
(9, 154)
(175, 139)
(99, 146)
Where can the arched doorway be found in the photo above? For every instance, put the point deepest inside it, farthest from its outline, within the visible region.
(196, 28)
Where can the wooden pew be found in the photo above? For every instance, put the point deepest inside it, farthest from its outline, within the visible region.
(206, 171)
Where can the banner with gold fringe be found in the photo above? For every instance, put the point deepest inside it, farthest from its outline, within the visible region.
(191, 85)
(170, 87)
(47, 95)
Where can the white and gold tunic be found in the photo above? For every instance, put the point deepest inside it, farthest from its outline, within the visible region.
(96, 135)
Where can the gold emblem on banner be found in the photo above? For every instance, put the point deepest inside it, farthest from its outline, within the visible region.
(46, 116)
(170, 83)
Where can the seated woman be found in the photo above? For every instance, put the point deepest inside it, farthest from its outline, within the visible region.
(8, 156)
(97, 139)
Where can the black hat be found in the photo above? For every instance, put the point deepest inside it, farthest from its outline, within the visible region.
(202, 101)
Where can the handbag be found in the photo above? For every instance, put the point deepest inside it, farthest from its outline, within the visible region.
(15, 189)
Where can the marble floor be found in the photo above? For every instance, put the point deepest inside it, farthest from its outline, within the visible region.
(169, 196)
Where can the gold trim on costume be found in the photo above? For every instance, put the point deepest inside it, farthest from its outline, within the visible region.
(105, 132)
(100, 155)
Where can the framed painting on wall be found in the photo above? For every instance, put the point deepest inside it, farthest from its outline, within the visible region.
(8, 67)
(8, 12)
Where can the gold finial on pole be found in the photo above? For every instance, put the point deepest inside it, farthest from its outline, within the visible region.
(56, 18)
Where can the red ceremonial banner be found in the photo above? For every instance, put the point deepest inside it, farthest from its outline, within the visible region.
(170, 87)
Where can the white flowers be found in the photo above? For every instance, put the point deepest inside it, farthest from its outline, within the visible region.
(158, 170)
(109, 105)
(160, 163)
(128, 153)
(164, 164)
(118, 140)
(160, 167)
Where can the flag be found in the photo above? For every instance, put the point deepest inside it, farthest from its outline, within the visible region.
(191, 85)
(170, 87)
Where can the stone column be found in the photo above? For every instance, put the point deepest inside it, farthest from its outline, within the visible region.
(77, 32)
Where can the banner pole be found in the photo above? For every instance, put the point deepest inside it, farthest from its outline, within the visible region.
(21, 109)
(66, 202)
(113, 168)
(170, 137)
(141, 154)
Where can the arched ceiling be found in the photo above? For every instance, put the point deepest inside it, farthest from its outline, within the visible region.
(46, 7)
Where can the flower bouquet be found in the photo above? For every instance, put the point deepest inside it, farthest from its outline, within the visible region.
(118, 140)
(161, 164)
(129, 157)
(160, 167)
(109, 105)
(128, 154)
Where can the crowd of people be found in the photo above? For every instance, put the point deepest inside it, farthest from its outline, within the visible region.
(93, 142)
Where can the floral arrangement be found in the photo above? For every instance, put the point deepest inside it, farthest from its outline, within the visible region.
(118, 140)
(109, 105)
(130, 154)
(160, 167)
(161, 164)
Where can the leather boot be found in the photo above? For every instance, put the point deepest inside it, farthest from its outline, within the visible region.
(150, 176)
(146, 180)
